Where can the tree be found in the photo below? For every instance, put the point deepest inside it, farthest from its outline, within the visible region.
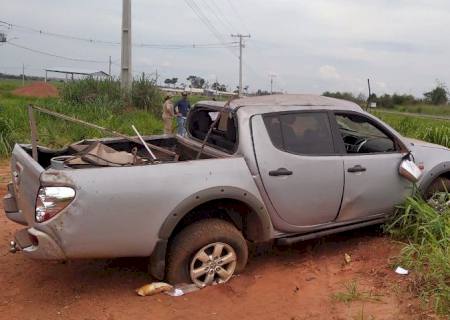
(219, 87)
(168, 81)
(196, 82)
(174, 81)
(437, 96)
(260, 92)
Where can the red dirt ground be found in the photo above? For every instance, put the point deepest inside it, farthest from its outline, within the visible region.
(287, 283)
(38, 90)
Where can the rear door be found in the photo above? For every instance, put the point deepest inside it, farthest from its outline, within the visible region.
(373, 184)
(298, 165)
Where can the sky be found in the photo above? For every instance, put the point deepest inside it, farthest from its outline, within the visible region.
(309, 46)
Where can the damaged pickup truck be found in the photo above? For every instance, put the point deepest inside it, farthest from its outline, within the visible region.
(285, 168)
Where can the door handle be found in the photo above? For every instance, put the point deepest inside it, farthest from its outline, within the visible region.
(280, 172)
(357, 168)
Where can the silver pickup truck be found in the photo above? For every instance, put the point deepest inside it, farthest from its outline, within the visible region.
(285, 168)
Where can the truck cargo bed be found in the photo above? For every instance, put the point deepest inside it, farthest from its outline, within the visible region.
(184, 151)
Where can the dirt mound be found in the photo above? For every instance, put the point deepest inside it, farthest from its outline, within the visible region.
(38, 90)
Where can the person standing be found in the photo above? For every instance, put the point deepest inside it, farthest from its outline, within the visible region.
(168, 114)
(181, 110)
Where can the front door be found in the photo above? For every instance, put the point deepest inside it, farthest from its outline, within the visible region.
(301, 173)
(373, 184)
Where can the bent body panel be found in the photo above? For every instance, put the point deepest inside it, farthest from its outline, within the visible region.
(119, 212)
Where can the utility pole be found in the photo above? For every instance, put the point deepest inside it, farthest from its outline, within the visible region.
(241, 46)
(156, 77)
(23, 75)
(126, 75)
(272, 76)
(370, 94)
(110, 63)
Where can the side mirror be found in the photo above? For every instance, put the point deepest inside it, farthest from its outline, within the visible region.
(409, 170)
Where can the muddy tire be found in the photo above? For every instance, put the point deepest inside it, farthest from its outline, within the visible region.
(440, 185)
(206, 252)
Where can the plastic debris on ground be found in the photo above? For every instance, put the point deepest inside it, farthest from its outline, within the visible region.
(161, 287)
(181, 290)
(154, 288)
(347, 258)
(401, 271)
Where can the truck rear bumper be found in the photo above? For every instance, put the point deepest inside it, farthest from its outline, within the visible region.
(38, 245)
(10, 207)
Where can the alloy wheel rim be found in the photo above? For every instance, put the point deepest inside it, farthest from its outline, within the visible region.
(215, 263)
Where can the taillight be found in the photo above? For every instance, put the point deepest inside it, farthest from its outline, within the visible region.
(51, 200)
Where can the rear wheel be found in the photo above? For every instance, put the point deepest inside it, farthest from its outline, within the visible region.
(205, 253)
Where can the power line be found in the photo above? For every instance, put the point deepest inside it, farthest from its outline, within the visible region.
(204, 19)
(114, 43)
(54, 55)
(57, 35)
(237, 14)
(217, 12)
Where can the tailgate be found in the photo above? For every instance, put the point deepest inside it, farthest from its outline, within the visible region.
(25, 176)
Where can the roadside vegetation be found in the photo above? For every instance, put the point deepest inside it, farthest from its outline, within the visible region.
(99, 102)
(424, 228)
(431, 130)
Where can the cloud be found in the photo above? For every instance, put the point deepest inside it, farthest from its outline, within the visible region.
(327, 72)
(312, 46)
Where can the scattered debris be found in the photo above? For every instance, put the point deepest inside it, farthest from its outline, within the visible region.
(161, 287)
(181, 290)
(401, 271)
(154, 288)
(347, 258)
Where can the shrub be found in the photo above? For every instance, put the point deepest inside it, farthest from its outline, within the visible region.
(425, 229)
(89, 90)
(145, 95)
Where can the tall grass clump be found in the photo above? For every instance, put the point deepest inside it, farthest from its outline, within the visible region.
(145, 95)
(101, 108)
(430, 130)
(89, 90)
(425, 229)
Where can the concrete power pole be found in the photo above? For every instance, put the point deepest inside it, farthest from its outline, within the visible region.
(110, 63)
(126, 75)
(241, 46)
(23, 75)
(272, 76)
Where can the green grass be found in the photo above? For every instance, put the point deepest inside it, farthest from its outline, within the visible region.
(58, 133)
(425, 230)
(105, 111)
(424, 109)
(352, 293)
(434, 131)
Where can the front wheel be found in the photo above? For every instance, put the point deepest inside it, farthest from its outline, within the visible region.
(437, 194)
(207, 252)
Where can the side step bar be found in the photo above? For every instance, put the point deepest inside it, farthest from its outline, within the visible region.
(290, 240)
